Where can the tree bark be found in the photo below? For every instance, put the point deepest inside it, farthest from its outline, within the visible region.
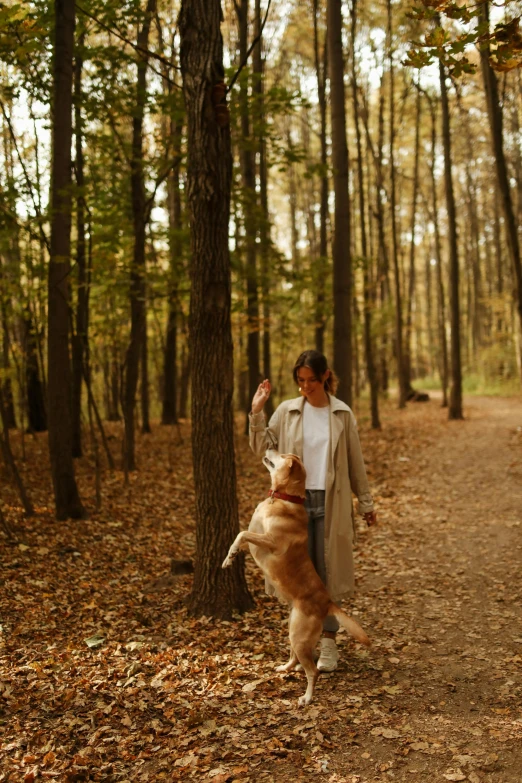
(495, 115)
(393, 207)
(169, 414)
(137, 274)
(264, 228)
(79, 338)
(411, 278)
(341, 245)
(67, 499)
(216, 591)
(455, 402)
(248, 176)
(441, 299)
(368, 293)
(321, 70)
(36, 409)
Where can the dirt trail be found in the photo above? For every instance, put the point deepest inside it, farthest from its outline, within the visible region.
(164, 696)
(442, 580)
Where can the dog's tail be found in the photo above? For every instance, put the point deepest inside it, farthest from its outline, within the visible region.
(349, 623)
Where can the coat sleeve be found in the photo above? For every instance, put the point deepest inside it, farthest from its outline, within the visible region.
(358, 479)
(262, 437)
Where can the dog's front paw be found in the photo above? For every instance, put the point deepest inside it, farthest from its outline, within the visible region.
(229, 559)
(303, 701)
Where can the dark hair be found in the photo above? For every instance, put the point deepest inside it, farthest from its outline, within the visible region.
(317, 362)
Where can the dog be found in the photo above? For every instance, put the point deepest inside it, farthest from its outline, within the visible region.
(278, 540)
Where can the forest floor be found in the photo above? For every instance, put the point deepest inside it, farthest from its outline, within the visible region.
(104, 677)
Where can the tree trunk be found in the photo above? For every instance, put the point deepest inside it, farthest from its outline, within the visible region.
(264, 229)
(67, 499)
(5, 383)
(145, 402)
(36, 409)
(321, 70)
(79, 338)
(169, 409)
(368, 294)
(248, 176)
(184, 381)
(455, 403)
(393, 207)
(495, 115)
(5, 448)
(411, 278)
(216, 591)
(137, 274)
(441, 300)
(341, 245)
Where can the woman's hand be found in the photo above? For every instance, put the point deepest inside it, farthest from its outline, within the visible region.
(261, 396)
(371, 518)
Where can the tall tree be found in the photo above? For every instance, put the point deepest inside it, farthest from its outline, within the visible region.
(67, 498)
(368, 289)
(413, 226)
(215, 591)
(140, 211)
(495, 114)
(393, 207)
(264, 218)
(341, 245)
(321, 69)
(455, 402)
(79, 338)
(248, 176)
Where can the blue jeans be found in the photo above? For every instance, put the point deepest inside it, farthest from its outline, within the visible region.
(314, 505)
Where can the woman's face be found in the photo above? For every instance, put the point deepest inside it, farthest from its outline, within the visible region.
(311, 386)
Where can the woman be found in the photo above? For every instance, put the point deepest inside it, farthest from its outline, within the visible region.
(321, 430)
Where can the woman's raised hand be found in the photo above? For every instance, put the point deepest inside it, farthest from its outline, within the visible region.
(261, 396)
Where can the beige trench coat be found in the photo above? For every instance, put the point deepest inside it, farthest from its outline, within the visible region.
(345, 474)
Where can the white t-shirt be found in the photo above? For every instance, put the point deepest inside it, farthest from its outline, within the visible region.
(316, 438)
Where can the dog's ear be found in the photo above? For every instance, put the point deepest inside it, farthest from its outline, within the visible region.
(297, 470)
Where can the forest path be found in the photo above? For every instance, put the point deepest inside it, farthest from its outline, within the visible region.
(442, 579)
(104, 677)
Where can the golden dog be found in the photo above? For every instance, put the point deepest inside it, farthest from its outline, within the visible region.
(278, 541)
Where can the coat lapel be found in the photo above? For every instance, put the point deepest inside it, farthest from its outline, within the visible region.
(296, 424)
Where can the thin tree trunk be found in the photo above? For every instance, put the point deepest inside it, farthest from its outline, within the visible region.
(441, 299)
(137, 274)
(9, 409)
(341, 245)
(145, 400)
(79, 338)
(495, 114)
(249, 207)
(216, 591)
(411, 278)
(393, 207)
(369, 299)
(455, 402)
(321, 70)
(9, 460)
(169, 410)
(67, 499)
(264, 228)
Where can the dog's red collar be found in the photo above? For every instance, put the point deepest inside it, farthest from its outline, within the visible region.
(283, 496)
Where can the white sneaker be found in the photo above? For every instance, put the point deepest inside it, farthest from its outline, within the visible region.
(329, 657)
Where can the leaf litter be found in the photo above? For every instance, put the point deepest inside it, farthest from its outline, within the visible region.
(104, 676)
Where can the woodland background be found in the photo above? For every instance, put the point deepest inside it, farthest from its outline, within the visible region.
(190, 195)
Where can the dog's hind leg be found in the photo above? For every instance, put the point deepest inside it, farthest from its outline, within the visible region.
(306, 659)
(304, 631)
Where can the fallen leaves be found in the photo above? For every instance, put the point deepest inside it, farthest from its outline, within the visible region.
(163, 696)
